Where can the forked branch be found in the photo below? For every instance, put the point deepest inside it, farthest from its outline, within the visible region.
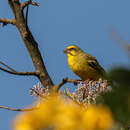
(20, 73)
(29, 2)
(20, 21)
(12, 71)
(2, 63)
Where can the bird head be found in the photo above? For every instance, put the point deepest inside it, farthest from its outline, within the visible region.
(72, 50)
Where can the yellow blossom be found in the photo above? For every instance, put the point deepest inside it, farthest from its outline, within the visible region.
(57, 114)
(97, 118)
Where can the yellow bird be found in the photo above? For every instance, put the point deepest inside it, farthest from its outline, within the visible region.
(83, 64)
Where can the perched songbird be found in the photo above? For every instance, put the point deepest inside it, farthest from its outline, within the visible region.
(83, 64)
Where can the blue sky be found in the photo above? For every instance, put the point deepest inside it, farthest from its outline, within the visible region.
(85, 21)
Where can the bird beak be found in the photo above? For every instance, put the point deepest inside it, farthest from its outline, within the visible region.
(66, 51)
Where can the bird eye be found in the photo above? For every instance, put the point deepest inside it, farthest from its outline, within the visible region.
(72, 49)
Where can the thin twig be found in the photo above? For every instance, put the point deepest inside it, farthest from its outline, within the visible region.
(71, 97)
(68, 92)
(115, 35)
(64, 81)
(20, 73)
(30, 2)
(17, 109)
(7, 21)
(7, 66)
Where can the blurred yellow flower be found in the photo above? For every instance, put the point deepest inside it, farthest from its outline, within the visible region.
(97, 118)
(58, 114)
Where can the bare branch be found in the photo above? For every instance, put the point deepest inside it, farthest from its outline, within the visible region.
(17, 109)
(7, 66)
(7, 21)
(11, 5)
(30, 43)
(57, 87)
(116, 36)
(20, 73)
(64, 81)
(30, 2)
(74, 81)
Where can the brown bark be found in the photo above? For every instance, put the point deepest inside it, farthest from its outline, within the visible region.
(29, 41)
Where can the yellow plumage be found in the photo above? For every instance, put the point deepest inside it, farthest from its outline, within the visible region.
(83, 64)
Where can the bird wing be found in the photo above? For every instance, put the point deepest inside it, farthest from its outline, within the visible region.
(93, 63)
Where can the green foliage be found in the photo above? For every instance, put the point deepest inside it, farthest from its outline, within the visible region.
(118, 99)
